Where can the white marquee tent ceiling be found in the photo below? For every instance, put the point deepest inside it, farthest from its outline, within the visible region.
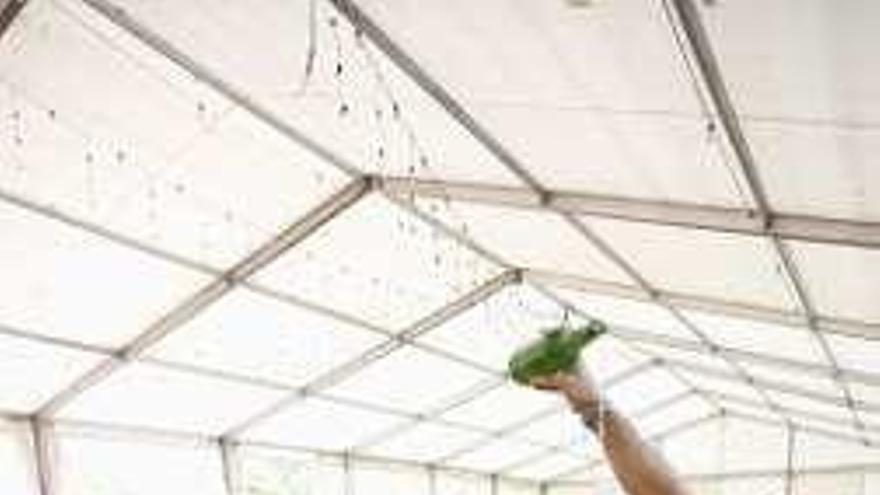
(206, 233)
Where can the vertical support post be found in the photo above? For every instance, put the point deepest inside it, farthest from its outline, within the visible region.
(42, 456)
(791, 433)
(493, 484)
(231, 466)
(348, 477)
(432, 480)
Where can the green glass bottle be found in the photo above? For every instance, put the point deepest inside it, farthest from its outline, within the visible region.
(557, 350)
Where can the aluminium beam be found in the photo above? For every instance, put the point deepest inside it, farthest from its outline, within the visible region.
(733, 220)
(850, 328)
(43, 458)
(120, 18)
(9, 11)
(379, 351)
(231, 466)
(212, 292)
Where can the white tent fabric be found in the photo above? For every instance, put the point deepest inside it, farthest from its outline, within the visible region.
(286, 247)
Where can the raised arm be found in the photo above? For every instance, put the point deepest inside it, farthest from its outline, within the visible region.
(638, 467)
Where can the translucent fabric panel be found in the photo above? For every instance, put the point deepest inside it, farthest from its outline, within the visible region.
(527, 238)
(381, 264)
(447, 483)
(495, 455)
(250, 334)
(61, 282)
(630, 314)
(493, 329)
(696, 450)
(32, 372)
(146, 395)
(368, 479)
(511, 487)
(610, 359)
(426, 442)
(819, 484)
(804, 406)
(735, 485)
(574, 147)
(856, 354)
(562, 429)
(660, 419)
(765, 338)
(94, 464)
(719, 265)
(278, 472)
(752, 446)
(856, 275)
(867, 394)
(353, 101)
(643, 390)
(778, 65)
(504, 406)
(783, 377)
(409, 379)
(818, 451)
(321, 424)
(699, 358)
(548, 467)
(734, 386)
(847, 174)
(17, 473)
(163, 178)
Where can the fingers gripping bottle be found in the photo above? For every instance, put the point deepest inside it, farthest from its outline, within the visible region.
(557, 350)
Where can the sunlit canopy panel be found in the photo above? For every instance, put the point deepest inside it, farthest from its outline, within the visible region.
(618, 112)
(426, 442)
(640, 392)
(47, 369)
(562, 429)
(367, 479)
(16, 461)
(527, 238)
(112, 134)
(46, 266)
(795, 343)
(355, 102)
(666, 417)
(90, 461)
(323, 424)
(802, 75)
(288, 472)
(503, 407)
(490, 331)
(407, 269)
(159, 397)
(462, 484)
(249, 334)
(856, 276)
(713, 385)
(819, 382)
(400, 380)
(627, 313)
(690, 261)
(549, 466)
(497, 454)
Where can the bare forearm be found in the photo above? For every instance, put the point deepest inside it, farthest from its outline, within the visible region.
(639, 468)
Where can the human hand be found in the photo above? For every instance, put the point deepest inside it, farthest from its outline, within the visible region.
(576, 386)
